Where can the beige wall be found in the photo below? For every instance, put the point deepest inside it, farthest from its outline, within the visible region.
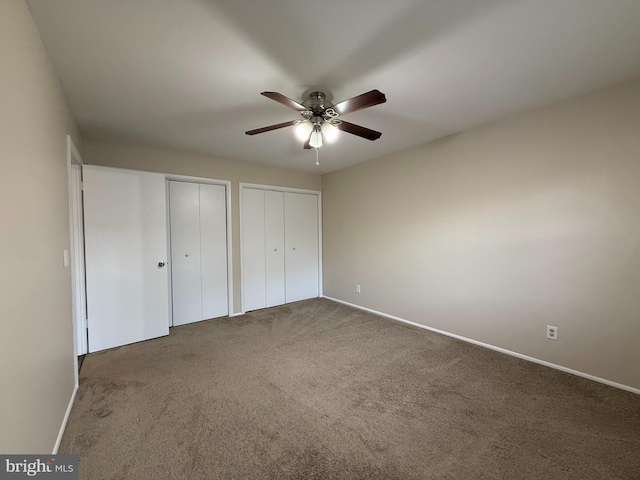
(36, 344)
(495, 233)
(123, 155)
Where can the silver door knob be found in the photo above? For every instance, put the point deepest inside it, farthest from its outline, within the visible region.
(161, 264)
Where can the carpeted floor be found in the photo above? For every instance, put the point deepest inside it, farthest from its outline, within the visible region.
(318, 390)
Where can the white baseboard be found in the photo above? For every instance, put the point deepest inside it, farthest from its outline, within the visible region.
(65, 420)
(493, 347)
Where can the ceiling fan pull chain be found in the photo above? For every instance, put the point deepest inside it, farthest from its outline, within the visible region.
(317, 155)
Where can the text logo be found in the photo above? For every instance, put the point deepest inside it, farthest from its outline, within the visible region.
(51, 467)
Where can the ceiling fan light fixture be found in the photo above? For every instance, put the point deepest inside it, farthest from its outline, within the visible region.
(315, 141)
(320, 122)
(330, 132)
(302, 130)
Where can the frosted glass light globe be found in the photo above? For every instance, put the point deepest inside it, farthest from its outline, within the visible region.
(330, 132)
(302, 131)
(316, 139)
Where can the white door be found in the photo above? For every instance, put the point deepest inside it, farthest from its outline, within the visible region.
(253, 250)
(126, 250)
(274, 241)
(186, 288)
(213, 238)
(301, 246)
(198, 251)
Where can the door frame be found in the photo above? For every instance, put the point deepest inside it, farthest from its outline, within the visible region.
(275, 188)
(76, 229)
(206, 181)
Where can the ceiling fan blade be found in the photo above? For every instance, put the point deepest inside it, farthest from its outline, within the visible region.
(366, 100)
(359, 131)
(286, 101)
(270, 127)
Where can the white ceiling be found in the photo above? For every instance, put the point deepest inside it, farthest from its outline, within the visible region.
(187, 74)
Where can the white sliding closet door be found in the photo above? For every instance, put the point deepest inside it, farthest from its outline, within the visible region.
(274, 241)
(301, 243)
(253, 249)
(213, 238)
(186, 291)
(125, 251)
(198, 251)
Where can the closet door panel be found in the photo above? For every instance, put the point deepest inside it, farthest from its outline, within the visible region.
(184, 201)
(253, 249)
(213, 237)
(274, 235)
(301, 246)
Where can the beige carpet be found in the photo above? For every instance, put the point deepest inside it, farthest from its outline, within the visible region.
(318, 390)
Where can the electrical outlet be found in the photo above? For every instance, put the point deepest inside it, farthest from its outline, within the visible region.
(552, 332)
(357, 288)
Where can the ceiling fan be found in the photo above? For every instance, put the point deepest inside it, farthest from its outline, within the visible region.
(320, 118)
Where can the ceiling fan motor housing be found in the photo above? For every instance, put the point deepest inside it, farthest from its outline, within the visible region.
(316, 99)
(319, 107)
